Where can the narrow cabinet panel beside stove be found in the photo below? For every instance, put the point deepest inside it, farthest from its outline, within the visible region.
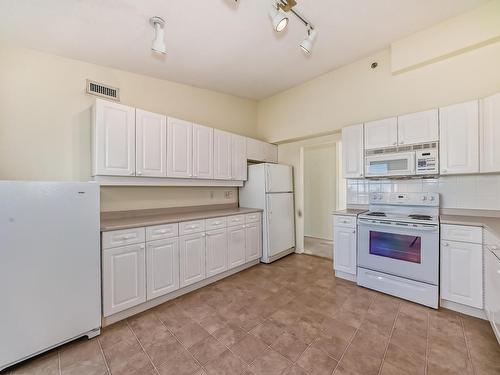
(398, 246)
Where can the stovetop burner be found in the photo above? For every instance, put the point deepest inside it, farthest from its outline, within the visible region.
(420, 217)
(380, 214)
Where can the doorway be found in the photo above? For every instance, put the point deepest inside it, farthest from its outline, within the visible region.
(320, 197)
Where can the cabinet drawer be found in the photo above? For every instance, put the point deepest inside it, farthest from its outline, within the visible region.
(252, 218)
(217, 223)
(344, 221)
(235, 220)
(123, 237)
(189, 227)
(462, 233)
(160, 232)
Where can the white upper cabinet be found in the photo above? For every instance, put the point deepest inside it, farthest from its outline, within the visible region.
(490, 134)
(239, 157)
(222, 155)
(261, 151)
(113, 145)
(179, 148)
(420, 127)
(381, 133)
(203, 152)
(459, 138)
(151, 144)
(353, 151)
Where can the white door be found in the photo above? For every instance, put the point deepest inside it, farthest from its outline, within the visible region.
(114, 139)
(203, 152)
(239, 157)
(123, 278)
(278, 178)
(192, 258)
(151, 144)
(459, 138)
(216, 252)
(381, 133)
(179, 148)
(344, 250)
(253, 238)
(280, 221)
(236, 246)
(222, 155)
(462, 273)
(353, 151)
(420, 127)
(490, 134)
(162, 259)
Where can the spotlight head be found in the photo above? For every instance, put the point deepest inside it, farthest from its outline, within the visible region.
(307, 44)
(278, 18)
(158, 44)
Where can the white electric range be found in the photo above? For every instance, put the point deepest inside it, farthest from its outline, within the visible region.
(398, 246)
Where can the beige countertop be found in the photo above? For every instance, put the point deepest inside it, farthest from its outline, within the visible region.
(144, 218)
(490, 223)
(349, 212)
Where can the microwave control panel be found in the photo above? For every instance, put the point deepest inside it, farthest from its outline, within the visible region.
(427, 162)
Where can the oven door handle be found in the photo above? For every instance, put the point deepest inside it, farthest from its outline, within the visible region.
(400, 226)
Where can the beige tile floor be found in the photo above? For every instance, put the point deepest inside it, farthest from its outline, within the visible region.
(318, 247)
(290, 317)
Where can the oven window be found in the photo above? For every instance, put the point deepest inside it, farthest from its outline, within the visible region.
(396, 246)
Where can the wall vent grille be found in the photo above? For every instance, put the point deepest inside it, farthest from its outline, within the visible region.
(104, 91)
(392, 150)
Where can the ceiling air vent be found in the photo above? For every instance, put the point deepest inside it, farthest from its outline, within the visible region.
(104, 91)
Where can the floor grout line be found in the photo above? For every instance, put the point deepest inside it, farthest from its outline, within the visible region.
(427, 343)
(390, 337)
(469, 355)
(59, 361)
(142, 347)
(103, 356)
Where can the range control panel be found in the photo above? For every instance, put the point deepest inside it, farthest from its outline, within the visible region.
(410, 199)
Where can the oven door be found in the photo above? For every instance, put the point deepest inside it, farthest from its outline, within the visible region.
(401, 249)
(397, 164)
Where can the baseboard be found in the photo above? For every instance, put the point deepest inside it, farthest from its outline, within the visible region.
(346, 276)
(106, 321)
(467, 310)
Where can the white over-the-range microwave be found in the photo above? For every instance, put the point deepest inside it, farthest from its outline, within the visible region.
(416, 160)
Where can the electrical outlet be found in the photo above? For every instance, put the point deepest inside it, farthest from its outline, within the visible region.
(228, 194)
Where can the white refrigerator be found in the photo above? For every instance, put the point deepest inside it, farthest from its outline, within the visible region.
(270, 188)
(49, 266)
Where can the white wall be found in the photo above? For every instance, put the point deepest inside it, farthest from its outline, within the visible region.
(463, 192)
(320, 190)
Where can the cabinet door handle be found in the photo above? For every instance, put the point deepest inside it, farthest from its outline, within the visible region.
(445, 170)
(139, 173)
(446, 244)
(132, 173)
(353, 231)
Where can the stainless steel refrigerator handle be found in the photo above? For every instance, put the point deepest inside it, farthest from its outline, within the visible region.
(406, 226)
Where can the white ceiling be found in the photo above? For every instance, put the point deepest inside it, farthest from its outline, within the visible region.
(218, 44)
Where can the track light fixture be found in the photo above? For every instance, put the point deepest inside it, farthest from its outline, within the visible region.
(278, 18)
(158, 45)
(307, 43)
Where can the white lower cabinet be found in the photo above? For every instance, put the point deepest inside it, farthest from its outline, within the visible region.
(162, 259)
(124, 278)
(216, 252)
(253, 241)
(236, 245)
(344, 251)
(462, 273)
(192, 258)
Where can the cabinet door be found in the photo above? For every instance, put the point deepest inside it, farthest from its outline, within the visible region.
(216, 252)
(236, 246)
(151, 144)
(381, 133)
(420, 127)
(192, 258)
(203, 152)
(239, 157)
(462, 273)
(179, 148)
(490, 134)
(344, 250)
(270, 152)
(162, 259)
(222, 155)
(458, 138)
(253, 238)
(113, 139)
(123, 278)
(353, 151)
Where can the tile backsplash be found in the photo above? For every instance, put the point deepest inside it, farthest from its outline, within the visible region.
(465, 192)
